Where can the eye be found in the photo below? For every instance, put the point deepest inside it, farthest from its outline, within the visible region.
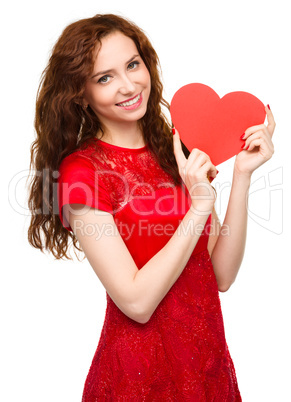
(104, 79)
(133, 65)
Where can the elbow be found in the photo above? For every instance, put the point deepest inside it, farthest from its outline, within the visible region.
(224, 288)
(134, 308)
(141, 318)
(138, 314)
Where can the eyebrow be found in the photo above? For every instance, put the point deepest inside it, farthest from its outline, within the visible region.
(110, 70)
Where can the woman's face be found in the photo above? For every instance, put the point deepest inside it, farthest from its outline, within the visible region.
(119, 88)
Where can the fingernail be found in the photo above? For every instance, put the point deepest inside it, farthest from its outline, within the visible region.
(211, 178)
(217, 171)
(173, 131)
(269, 107)
(242, 136)
(243, 145)
(247, 147)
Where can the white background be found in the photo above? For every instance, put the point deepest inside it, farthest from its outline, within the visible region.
(52, 311)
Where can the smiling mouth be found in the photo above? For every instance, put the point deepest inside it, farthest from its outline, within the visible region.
(130, 102)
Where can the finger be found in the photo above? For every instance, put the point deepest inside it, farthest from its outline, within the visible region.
(271, 121)
(210, 169)
(178, 152)
(197, 153)
(255, 143)
(197, 159)
(265, 150)
(252, 130)
(256, 135)
(206, 169)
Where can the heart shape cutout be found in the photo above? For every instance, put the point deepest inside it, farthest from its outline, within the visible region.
(213, 124)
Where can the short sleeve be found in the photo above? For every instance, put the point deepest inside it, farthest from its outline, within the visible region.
(79, 182)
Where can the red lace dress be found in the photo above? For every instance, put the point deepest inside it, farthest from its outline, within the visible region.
(180, 354)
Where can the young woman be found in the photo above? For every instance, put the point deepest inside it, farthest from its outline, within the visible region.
(142, 213)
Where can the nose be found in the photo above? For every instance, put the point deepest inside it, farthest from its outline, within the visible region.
(127, 86)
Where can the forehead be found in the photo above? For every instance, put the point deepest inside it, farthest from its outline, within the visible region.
(115, 48)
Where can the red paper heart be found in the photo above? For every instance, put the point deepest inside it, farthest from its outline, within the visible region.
(214, 125)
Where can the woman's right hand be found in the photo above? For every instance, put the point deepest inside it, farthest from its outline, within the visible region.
(195, 173)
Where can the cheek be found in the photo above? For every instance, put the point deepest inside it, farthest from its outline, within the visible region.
(147, 77)
(101, 97)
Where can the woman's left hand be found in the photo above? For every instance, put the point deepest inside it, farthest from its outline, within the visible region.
(258, 146)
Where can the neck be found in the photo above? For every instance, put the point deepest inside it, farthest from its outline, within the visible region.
(127, 135)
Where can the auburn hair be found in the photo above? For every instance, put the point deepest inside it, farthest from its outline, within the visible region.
(62, 125)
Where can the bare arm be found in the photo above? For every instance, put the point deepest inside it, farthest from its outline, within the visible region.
(214, 233)
(227, 249)
(138, 292)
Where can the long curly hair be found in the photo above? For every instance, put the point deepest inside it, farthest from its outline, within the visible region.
(62, 125)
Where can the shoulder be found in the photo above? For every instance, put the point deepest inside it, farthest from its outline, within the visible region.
(81, 160)
(75, 161)
(83, 172)
(79, 182)
(79, 157)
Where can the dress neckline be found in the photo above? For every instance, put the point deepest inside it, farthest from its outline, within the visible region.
(106, 144)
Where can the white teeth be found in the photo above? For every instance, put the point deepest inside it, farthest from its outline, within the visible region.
(131, 102)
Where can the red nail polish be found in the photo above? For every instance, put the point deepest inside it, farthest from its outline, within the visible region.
(173, 131)
(243, 145)
(242, 136)
(269, 107)
(247, 147)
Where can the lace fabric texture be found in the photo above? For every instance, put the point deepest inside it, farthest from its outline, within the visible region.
(180, 354)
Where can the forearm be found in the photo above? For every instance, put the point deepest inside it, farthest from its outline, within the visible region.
(137, 292)
(228, 252)
(158, 275)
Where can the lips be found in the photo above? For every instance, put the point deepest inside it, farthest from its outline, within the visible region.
(130, 102)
